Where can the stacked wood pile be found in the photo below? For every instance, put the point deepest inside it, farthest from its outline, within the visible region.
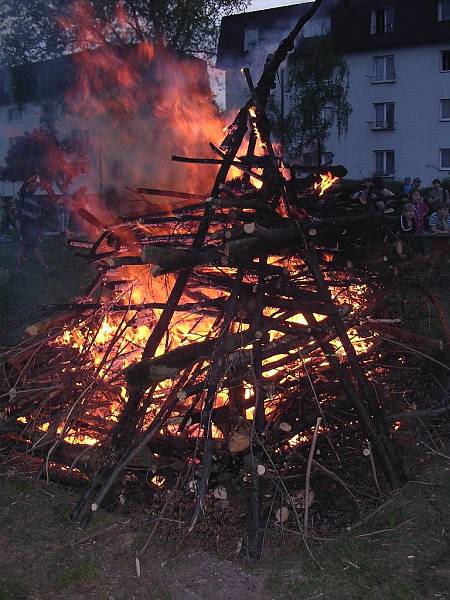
(278, 286)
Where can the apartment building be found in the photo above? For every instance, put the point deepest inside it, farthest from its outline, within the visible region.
(398, 54)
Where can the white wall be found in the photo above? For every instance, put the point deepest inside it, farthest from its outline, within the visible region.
(418, 133)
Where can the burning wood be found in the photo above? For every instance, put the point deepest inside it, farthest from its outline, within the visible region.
(264, 330)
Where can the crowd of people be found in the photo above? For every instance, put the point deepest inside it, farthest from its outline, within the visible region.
(414, 214)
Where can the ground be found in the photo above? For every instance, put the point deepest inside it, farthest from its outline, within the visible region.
(401, 553)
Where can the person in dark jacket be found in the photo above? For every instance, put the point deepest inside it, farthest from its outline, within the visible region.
(28, 216)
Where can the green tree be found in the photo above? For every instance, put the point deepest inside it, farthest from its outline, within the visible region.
(317, 85)
(33, 30)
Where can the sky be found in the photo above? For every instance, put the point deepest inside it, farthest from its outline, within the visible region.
(261, 4)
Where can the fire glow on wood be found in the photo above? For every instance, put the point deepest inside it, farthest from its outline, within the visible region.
(225, 330)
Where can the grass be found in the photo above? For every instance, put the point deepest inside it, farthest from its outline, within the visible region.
(408, 560)
(24, 295)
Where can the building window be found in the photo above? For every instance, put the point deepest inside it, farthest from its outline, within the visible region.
(445, 60)
(384, 163)
(444, 10)
(445, 109)
(15, 114)
(251, 39)
(316, 27)
(384, 115)
(384, 68)
(445, 159)
(382, 20)
(12, 141)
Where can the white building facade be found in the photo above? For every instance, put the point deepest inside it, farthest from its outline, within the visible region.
(398, 55)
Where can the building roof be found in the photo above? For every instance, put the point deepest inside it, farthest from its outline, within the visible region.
(232, 30)
(415, 22)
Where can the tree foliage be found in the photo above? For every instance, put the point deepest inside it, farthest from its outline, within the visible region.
(41, 153)
(33, 30)
(317, 88)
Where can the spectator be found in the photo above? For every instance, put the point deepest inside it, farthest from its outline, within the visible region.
(407, 187)
(416, 184)
(408, 223)
(63, 209)
(364, 195)
(437, 194)
(440, 220)
(420, 210)
(28, 216)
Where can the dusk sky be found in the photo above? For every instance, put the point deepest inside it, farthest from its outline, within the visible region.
(261, 4)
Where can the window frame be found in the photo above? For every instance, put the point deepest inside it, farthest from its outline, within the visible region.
(440, 11)
(15, 110)
(373, 20)
(384, 173)
(441, 104)
(385, 126)
(441, 61)
(441, 154)
(384, 57)
(249, 44)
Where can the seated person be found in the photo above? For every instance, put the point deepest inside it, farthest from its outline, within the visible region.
(408, 223)
(440, 220)
(420, 210)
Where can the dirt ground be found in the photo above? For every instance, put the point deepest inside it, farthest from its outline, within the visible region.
(402, 553)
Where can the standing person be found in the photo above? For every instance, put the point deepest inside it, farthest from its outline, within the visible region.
(437, 194)
(440, 220)
(416, 184)
(420, 210)
(63, 208)
(407, 187)
(28, 216)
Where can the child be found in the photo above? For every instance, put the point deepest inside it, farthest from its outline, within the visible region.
(408, 224)
(420, 210)
(440, 220)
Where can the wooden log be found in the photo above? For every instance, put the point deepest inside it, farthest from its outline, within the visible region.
(41, 327)
(420, 341)
(170, 194)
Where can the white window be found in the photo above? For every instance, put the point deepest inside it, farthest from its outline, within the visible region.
(384, 115)
(382, 20)
(15, 114)
(251, 39)
(445, 109)
(445, 60)
(445, 159)
(384, 68)
(384, 163)
(444, 10)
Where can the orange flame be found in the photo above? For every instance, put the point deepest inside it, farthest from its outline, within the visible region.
(326, 182)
